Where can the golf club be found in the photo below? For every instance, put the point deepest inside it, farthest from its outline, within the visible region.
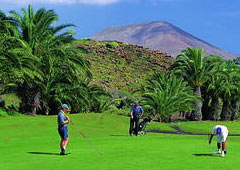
(86, 139)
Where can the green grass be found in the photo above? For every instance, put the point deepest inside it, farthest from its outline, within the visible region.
(197, 127)
(23, 137)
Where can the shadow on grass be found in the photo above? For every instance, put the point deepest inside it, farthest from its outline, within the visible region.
(118, 135)
(206, 154)
(43, 153)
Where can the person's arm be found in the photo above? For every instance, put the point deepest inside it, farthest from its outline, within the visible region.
(68, 118)
(210, 139)
(211, 136)
(142, 112)
(131, 113)
(63, 122)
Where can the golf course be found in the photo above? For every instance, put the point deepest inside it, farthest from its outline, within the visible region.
(131, 94)
(101, 141)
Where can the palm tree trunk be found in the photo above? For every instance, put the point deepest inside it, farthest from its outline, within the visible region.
(205, 108)
(197, 115)
(235, 110)
(225, 109)
(214, 109)
(30, 100)
(36, 103)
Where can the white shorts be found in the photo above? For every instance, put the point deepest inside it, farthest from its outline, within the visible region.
(222, 138)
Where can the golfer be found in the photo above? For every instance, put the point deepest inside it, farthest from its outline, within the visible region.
(135, 113)
(63, 120)
(221, 133)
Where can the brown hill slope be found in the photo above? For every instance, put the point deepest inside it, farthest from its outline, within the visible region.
(122, 66)
(159, 35)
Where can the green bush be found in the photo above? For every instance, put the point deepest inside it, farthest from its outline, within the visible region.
(99, 44)
(13, 113)
(113, 44)
(112, 110)
(3, 112)
(11, 99)
(124, 112)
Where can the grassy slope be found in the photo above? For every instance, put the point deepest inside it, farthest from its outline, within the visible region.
(107, 133)
(119, 65)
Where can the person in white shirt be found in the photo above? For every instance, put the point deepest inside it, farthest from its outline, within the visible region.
(221, 132)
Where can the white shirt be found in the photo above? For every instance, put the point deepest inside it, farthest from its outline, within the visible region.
(223, 129)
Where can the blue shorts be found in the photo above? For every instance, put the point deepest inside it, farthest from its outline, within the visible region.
(63, 132)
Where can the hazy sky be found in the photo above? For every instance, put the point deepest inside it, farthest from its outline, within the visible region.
(214, 21)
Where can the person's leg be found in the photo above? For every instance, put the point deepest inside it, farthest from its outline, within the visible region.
(223, 149)
(61, 145)
(131, 126)
(136, 122)
(64, 144)
(219, 146)
(219, 141)
(64, 141)
(61, 134)
(224, 146)
(224, 138)
(224, 143)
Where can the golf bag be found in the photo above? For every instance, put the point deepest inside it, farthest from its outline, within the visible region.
(142, 125)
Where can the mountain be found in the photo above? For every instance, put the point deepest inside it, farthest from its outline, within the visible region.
(121, 66)
(159, 35)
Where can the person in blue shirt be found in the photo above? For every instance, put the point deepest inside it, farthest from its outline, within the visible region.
(135, 113)
(63, 121)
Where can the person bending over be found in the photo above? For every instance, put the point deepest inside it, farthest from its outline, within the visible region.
(221, 132)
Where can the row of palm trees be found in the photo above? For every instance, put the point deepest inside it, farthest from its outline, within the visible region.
(39, 62)
(214, 81)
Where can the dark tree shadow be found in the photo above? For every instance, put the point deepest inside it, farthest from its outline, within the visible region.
(206, 154)
(43, 153)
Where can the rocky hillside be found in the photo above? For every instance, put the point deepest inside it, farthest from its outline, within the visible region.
(159, 36)
(122, 66)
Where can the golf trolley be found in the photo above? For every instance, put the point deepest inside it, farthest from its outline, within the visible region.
(142, 125)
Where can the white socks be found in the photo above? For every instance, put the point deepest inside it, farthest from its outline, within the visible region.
(223, 154)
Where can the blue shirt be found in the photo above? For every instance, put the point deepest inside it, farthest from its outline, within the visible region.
(136, 111)
(61, 119)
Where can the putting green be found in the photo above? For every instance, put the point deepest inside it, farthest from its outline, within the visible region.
(32, 143)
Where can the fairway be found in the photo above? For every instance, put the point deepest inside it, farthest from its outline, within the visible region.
(29, 142)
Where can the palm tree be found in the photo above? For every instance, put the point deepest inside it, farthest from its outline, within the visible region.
(35, 28)
(190, 66)
(17, 64)
(211, 87)
(194, 68)
(6, 24)
(230, 91)
(168, 95)
(3, 19)
(59, 62)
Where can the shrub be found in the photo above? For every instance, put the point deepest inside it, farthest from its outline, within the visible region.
(167, 95)
(13, 113)
(112, 44)
(11, 99)
(124, 112)
(3, 112)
